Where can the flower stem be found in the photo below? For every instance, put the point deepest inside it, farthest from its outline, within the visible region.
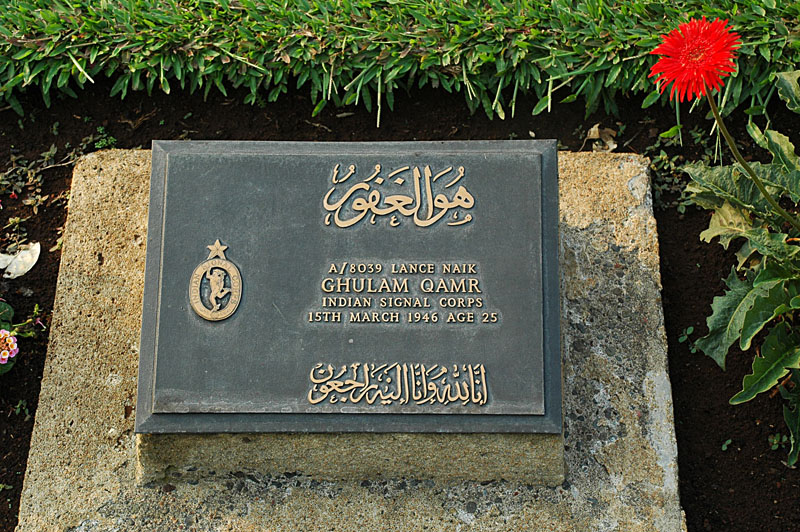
(739, 159)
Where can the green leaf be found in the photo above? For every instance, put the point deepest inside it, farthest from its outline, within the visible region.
(775, 271)
(541, 105)
(791, 415)
(671, 132)
(22, 54)
(743, 254)
(121, 85)
(14, 103)
(6, 312)
(651, 99)
(780, 351)
(764, 310)
(789, 90)
(714, 185)
(319, 107)
(771, 244)
(756, 134)
(727, 317)
(5, 368)
(792, 420)
(785, 183)
(792, 394)
(782, 151)
(727, 222)
(217, 82)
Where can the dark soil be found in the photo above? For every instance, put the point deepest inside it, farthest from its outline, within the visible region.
(743, 488)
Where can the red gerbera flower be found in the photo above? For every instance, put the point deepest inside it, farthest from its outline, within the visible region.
(695, 57)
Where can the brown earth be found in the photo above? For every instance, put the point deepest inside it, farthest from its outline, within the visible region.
(745, 487)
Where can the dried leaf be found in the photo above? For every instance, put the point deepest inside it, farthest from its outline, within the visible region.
(605, 134)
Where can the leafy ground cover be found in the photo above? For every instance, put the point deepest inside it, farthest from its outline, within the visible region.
(745, 201)
(494, 53)
(730, 476)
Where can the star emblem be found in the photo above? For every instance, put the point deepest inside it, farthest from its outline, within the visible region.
(217, 250)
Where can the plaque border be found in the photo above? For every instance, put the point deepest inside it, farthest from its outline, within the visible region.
(549, 423)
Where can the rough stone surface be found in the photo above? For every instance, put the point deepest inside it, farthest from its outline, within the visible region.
(619, 437)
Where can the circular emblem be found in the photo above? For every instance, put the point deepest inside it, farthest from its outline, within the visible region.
(215, 287)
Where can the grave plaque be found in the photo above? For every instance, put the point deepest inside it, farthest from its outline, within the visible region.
(351, 287)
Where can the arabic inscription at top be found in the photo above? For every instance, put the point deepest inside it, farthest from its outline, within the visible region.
(351, 199)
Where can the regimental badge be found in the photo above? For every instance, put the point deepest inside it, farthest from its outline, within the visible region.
(215, 287)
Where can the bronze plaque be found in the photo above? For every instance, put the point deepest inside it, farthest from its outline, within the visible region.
(351, 287)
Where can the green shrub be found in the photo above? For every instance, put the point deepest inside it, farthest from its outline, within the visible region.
(348, 51)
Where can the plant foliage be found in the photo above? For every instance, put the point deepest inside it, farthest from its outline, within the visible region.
(24, 329)
(764, 295)
(351, 51)
(6, 315)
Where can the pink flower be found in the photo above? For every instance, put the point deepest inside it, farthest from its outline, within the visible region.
(8, 346)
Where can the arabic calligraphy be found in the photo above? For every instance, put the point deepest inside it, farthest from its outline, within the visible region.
(423, 207)
(404, 384)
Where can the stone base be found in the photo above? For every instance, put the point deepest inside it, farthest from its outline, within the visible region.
(529, 458)
(619, 438)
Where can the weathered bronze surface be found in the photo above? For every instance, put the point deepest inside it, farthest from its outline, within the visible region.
(389, 287)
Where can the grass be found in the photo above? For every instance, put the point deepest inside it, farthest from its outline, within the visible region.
(362, 51)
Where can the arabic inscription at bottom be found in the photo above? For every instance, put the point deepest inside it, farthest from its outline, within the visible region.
(404, 384)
